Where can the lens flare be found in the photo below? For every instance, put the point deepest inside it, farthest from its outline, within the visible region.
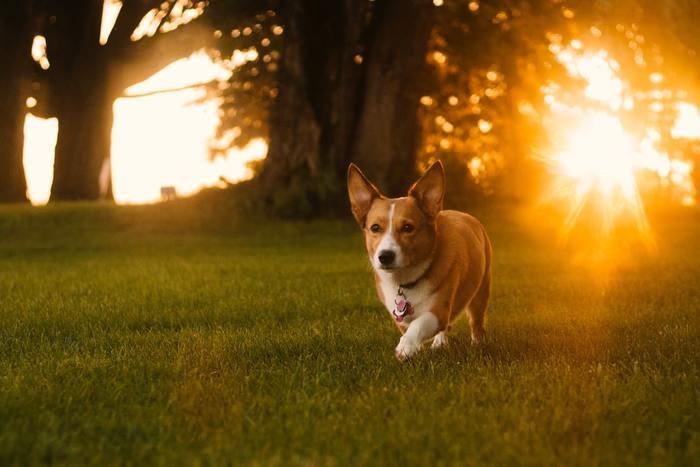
(596, 159)
(598, 163)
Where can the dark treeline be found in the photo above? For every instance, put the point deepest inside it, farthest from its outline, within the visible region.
(333, 81)
(346, 88)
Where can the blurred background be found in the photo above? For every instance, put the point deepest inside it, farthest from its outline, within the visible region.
(578, 104)
(196, 292)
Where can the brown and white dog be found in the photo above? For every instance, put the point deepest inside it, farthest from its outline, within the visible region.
(429, 264)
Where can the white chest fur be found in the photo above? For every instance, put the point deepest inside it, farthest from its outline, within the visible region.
(419, 296)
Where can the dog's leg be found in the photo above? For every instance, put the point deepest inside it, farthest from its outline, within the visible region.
(420, 329)
(477, 310)
(440, 340)
(480, 301)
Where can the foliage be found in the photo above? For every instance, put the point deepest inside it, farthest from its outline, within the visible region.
(249, 43)
(485, 55)
(492, 60)
(489, 60)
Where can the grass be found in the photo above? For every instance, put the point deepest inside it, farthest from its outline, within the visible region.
(180, 334)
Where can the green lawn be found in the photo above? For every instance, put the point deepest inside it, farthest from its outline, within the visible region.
(181, 334)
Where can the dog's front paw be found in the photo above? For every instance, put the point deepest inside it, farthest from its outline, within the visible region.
(440, 340)
(406, 349)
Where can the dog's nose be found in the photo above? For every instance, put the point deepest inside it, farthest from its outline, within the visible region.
(386, 257)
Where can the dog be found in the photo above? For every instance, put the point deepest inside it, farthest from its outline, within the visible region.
(429, 264)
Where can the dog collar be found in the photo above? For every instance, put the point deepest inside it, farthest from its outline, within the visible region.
(410, 285)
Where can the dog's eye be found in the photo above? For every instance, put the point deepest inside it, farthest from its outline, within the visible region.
(407, 228)
(375, 228)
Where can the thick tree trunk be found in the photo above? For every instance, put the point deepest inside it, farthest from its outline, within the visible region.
(388, 132)
(314, 114)
(81, 99)
(340, 59)
(84, 139)
(15, 41)
(293, 155)
(12, 181)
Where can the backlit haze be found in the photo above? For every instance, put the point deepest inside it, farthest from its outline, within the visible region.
(595, 157)
(163, 129)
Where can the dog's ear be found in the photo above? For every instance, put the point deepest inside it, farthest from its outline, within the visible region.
(429, 190)
(361, 192)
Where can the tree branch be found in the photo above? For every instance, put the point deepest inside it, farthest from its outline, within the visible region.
(169, 90)
(149, 55)
(130, 15)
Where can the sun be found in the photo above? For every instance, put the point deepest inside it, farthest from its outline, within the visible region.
(595, 159)
(599, 164)
(600, 155)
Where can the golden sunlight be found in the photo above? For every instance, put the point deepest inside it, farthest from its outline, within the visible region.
(600, 154)
(599, 162)
(595, 157)
(110, 12)
(687, 125)
(160, 139)
(39, 144)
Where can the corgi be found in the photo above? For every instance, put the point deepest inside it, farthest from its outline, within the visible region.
(430, 264)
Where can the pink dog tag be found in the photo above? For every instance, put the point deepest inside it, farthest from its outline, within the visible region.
(403, 306)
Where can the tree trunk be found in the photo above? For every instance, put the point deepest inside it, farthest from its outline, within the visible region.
(335, 70)
(80, 98)
(315, 112)
(84, 139)
(388, 134)
(15, 39)
(293, 154)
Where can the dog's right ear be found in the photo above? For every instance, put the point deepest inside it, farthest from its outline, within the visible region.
(361, 192)
(429, 190)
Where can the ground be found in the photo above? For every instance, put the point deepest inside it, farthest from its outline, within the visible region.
(178, 334)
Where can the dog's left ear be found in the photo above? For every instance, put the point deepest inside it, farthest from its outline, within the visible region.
(429, 190)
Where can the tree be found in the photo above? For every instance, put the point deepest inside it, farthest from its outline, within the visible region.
(350, 83)
(16, 40)
(472, 115)
(388, 134)
(86, 77)
(346, 88)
